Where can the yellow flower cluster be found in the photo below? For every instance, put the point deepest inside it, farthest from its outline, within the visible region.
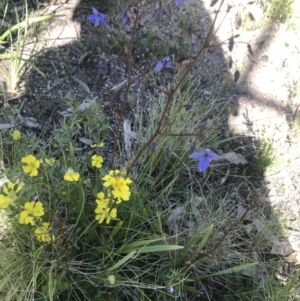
(103, 210)
(31, 214)
(117, 183)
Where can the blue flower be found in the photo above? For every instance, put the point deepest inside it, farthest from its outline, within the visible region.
(178, 2)
(125, 18)
(165, 62)
(204, 158)
(98, 18)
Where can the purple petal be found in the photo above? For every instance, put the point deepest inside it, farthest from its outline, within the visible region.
(178, 2)
(165, 62)
(92, 18)
(97, 22)
(212, 155)
(168, 65)
(158, 66)
(125, 18)
(158, 14)
(196, 155)
(203, 163)
(95, 12)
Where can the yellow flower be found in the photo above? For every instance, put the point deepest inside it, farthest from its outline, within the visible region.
(32, 165)
(103, 211)
(97, 161)
(10, 190)
(118, 183)
(32, 210)
(4, 201)
(16, 135)
(106, 214)
(42, 233)
(71, 175)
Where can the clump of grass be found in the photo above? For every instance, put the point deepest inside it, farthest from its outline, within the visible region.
(15, 58)
(279, 10)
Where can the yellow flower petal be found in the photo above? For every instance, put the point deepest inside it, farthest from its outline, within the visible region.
(71, 175)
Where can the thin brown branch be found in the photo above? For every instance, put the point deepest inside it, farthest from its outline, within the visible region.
(206, 44)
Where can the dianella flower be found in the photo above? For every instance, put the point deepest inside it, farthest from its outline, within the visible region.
(98, 18)
(205, 158)
(32, 165)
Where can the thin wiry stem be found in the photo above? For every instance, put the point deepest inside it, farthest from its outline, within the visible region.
(129, 63)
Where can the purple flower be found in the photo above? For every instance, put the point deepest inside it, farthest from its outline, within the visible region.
(98, 18)
(125, 18)
(178, 2)
(165, 62)
(158, 14)
(204, 158)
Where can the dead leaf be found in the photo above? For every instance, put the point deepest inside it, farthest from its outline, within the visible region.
(5, 126)
(66, 113)
(128, 136)
(86, 104)
(213, 2)
(82, 57)
(184, 62)
(293, 258)
(282, 248)
(223, 180)
(231, 44)
(85, 140)
(236, 75)
(235, 158)
(29, 122)
(82, 84)
(145, 19)
(230, 63)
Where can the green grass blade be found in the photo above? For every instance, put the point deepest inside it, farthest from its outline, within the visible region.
(25, 23)
(134, 245)
(153, 249)
(205, 238)
(285, 292)
(122, 261)
(227, 271)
